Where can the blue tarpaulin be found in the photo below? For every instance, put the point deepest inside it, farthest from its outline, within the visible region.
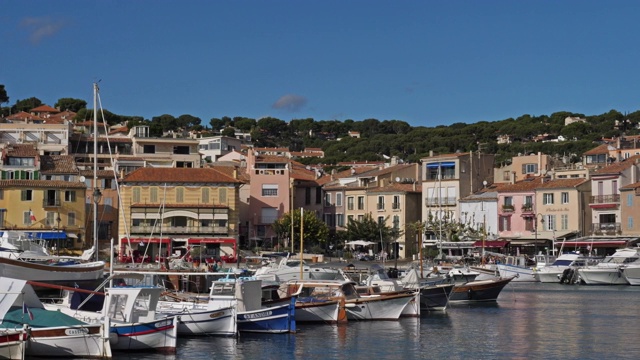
(54, 235)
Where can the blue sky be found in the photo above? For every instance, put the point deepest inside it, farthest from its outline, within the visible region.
(425, 62)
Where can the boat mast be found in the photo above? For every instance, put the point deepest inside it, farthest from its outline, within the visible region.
(95, 169)
(301, 242)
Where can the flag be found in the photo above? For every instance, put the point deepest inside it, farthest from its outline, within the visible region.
(26, 310)
(31, 216)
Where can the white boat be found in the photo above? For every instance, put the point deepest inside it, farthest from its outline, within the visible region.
(434, 295)
(518, 267)
(386, 307)
(631, 273)
(130, 312)
(286, 269)
(13, 343)
(198, 319)
(610, 270)
(27, 259)
(51, 333)
(563, 269)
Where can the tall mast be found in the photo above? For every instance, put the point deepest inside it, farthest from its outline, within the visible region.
(95, 169)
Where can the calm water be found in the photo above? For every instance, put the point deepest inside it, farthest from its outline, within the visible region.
(529, 321)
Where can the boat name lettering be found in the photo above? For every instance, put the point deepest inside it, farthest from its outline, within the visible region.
(73, 332)
(258, 315)
(216, 314)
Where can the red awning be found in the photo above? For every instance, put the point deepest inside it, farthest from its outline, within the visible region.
(491, 243)
(148, 240)
(570, 244)
(211, 241)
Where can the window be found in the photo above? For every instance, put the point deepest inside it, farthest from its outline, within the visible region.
(380, 220)
(338, 199)
(328, 219)
(327, 199)
(318, 195)
(71, 219)
(149, 149)
(349, 202)
(547, 199)
(564, 197)
(26, 195)
(396, 222)
(630, 223)
(504, 223)
(360, 202)
(26, 218)
(307, 196)
(380, 202)
(50, 219)
(269, 215)
(506, 175)
(179, 195)
(528, 224)
(153, 195)
(508, 200)
(340, 219)
(70, 196)
(205, 195)
(269, 189)
(181, 150)
(529, 168)
(349, 218)
(396, 202)
(184, 164)
(1, 195)
(629, 199)
(549, 222)
(528, 200)
(222, 195)
(564, 222)
(136, 194)
(360, 218)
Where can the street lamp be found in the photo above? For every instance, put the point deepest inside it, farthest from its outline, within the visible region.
(97, 195)
(58, 221)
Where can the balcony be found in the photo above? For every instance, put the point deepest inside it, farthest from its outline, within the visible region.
(527, 208)
(180, 230)
(380, 206)
(605, 199)
(506, 208)
(50, 202)
(606, 229)
(445, 201)
(395, 206)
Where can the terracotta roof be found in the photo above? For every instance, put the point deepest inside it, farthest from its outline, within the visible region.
(178, 175)
(618, 167)
(271, 159)
(389, 170)
(57, 184)
(562, 183)
(101, 174)
(529, 184)
(21, 150)
(23, 116)
(600, 149)
(445, 156)
(45, 108)
(633, 186)
(58, 164)
(122, 129)
(65, 115)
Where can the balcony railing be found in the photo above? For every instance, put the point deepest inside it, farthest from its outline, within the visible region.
(50, 202)
(181, 229)
(448, 201)
(606, 228)
(395, 206)
(507, 208)
(605, 199)
(380, 206)
(527, 208)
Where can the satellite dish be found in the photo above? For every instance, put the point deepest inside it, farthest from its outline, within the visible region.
(484, 183)
(397, 179)
(82, 179)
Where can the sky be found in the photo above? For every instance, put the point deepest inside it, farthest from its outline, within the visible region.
(425, 62)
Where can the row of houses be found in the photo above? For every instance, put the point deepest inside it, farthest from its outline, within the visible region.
(219, 193)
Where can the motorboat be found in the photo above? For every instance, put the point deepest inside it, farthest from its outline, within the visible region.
(50, 333)
(284, 269)
(610, 270)
(563, 269)
(384, 307)
(308, 309)
(130, 312)
(479, 291)
(434, 295)
(521, 267)
(196, 318)
(631, 273)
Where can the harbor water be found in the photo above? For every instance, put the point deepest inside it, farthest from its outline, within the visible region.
(529, 321)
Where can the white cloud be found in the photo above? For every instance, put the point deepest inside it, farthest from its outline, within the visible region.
(289, 102)
(41, 27)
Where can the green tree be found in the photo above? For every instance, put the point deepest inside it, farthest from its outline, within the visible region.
(3, 95)
(229, 132)
(314, 231)
(216, 124)
(369, 229)
(26, 105)
(244, 124)
(70, 104)
(187, 122)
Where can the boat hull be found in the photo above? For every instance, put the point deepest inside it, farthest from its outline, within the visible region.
(632, 274)
(330, 312)
(13, 344)
(378, 308)
(435, 297)
(198, 321)
(276, 319)
(602, 276)
(69, 341)
(23, 270)
(159, 335)
(519, 274)
(478, 291)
